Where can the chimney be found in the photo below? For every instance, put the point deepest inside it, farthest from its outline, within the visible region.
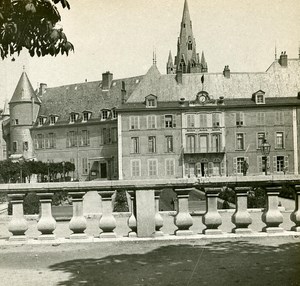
(226, 72)
(123, 93)
(106, 80)
(42, 89)
(179, 76)
(283, 60)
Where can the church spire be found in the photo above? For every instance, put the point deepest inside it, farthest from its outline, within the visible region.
(187, 59)
(203, 63)
(170, 66)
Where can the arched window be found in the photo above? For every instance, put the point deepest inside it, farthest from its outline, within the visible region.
(190, 45)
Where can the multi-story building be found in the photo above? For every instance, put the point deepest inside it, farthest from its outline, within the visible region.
(185, 123)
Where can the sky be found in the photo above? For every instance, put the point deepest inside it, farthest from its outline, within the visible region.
(120, 35)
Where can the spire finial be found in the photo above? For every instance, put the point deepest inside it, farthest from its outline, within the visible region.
(154, 56)
(24, 68)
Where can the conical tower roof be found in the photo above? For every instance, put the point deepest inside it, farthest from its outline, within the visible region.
(5, 108)
(24, 91)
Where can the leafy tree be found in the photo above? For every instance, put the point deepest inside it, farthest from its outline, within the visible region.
(121, 204)
(31, 24)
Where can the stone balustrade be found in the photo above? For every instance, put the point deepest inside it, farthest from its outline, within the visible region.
(145, 219)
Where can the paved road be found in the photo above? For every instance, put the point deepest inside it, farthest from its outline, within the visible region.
(275, 261)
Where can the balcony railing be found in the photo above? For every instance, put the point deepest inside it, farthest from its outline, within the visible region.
(204, 151)
(145, 220)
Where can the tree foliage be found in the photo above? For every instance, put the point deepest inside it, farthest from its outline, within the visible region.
(31, 24)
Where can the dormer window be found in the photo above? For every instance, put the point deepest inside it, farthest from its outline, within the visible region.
(86, 116)
(41, 120)
(73, 117)
(104, 114)
(151, 100)
(259, 97)
(114, 113)
(53, 119)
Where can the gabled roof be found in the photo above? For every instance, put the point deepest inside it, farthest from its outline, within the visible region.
(24, 91)
(80, 97)
(277, 81)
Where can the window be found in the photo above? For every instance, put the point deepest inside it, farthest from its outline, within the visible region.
(279, 140)
(151, 144)
(106, 136)
(170, 167)
(135, 145)
(73, 117)
(190, 143)
(104, 114)
(260, 98)
(190, 120)
(40, 121)
(216, 169)
(51, 140)
(279, 120)
(169, 144)
(260, 139)
(86, 116)
(280, 164)
(240, 144)
(190, 45)
(203, 143)
(71, 139)
(203, 120)
(25, 146)
(114, 136)
(134, 122)
(151, 121)
(15, 146)
(169, 121)
(215, 143)
(152, 167)
(114, 113)
(40, 141)
(260, 118)
(135, 168)
(239, 116)
(85, 138)
(84, 166)
(53, 119)
(240, 163)
(151, 102)
(216, 119)
(101, 136)
(16, 121)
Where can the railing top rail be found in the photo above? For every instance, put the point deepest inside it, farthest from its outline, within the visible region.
(99, 186)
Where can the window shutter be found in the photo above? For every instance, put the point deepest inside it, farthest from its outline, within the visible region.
(88, 137)
(274, 164)
(67, 141)
(162, 118)
(54, 140)
(187, 173)
(174, 120)
(188, 120)
(138, 122)
(223, 168)
(101, 136)
(35, 142)
(235, 165)
(242, 118)
(259, 164)
(286, 163)
(210, 168)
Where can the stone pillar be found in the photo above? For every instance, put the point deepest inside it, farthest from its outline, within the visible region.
(159, 222)
(47, 223)
(295, 215)
(145, 213)
(272, 217)
(18, 224)
(212, 219)
(183, 220)
(107, 221)
(132, 219)
(241, 218)
(78, 222)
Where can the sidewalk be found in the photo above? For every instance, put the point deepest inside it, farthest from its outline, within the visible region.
(272, 261)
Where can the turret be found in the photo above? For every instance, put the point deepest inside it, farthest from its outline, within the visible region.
(170, 66)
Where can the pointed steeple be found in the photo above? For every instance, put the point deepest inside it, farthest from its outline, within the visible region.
(170, 66)
(187, 60)
(203, 63)
(24, 91)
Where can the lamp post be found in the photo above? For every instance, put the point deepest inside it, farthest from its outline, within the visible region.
(265, 150)
(48, 166)
(63, 165)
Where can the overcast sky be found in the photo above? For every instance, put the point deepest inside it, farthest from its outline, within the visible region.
(119, 36)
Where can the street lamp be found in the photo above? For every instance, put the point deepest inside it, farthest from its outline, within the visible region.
(63, 165)
(265, 150)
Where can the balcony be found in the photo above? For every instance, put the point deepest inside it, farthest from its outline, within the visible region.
(204, 151)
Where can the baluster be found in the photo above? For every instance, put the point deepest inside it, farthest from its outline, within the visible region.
(159, 222)
(78, 222)
(107, 221)
(272, 217)
(212, 219)
(18, 224)
(241, 218)
(295, 215)
(183, 220)
(132, 223)
(47, 223)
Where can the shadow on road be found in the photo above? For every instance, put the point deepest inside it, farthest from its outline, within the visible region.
(221, 263)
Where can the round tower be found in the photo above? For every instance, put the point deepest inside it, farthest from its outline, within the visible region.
(23, 108)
